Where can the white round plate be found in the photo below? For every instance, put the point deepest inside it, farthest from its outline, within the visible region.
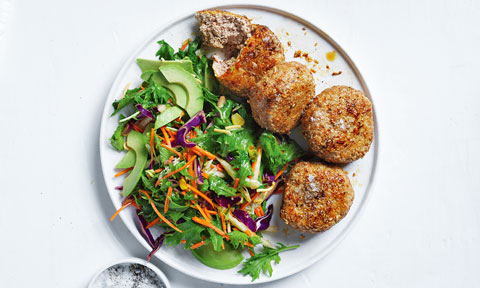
(296, 34)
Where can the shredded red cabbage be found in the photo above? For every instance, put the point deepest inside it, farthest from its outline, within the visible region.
(227, 201)
(263, 222)
(143, 111)
(145, 232)
(229, 157)
(158, 243)
(243, 217)
(128, 128)
(268, 177)
(119, 187)
(196, 120)
(198, 171)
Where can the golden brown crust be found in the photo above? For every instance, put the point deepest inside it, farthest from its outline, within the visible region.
(281, 96)
(316, 197)
(261, 52)
(338, 124)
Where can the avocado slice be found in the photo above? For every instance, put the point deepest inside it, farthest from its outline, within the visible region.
(210, 81)
(176, 75)
(178, 92)
(167, 116)
(222, 260)
(127, 161)
(136, 141)
(147, 65)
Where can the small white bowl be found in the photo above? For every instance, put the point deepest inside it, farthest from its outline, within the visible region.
(129, 261)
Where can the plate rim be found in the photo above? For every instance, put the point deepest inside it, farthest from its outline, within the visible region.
(368, 191)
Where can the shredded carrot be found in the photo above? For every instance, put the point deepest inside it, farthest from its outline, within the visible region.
(201, 212)
(123, 172)
(194, 190)
(136, 128)
(219, 167)
(235, 185)
(249, 233)
(191, 173)
(151, 224)
(158, 212)
(152, 135)
(246, 203)
(185, 44)
(281, 171)
(253, 165)
(248, 244)
(167, 199)
(251, 253)
(126, 204)
(179, 117)
(171, 133)
(158, 170)
(211, 212)
(205, 175)
(210, 225)
(196, 245)
(259, 211)
(223, 245)
(224, 227)
(203, 152)
(167, 139)
(174, 172)
(209, 218)
(183, 241)
(171, 149)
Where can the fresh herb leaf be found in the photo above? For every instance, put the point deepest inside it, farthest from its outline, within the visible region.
(117, 140)
(165, 51)
(278, 152)
(220, 187)
(216, 239)
(241, 161)
(207, 140)
(261, 262)
(237, 238)
(128, 98)
(164, 153)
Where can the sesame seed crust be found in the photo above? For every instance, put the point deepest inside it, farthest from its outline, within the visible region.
(281, 96)
(316, 197)
(338, 124)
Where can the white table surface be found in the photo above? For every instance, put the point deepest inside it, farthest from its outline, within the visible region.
(420, 60)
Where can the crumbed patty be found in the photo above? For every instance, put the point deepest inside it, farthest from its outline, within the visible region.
(222, 28)
(262, 51)
(338, 124)
(281, 96)
(316, 197)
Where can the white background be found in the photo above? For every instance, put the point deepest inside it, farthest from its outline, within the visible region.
(420, 60)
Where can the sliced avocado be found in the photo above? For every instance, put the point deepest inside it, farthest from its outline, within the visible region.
(222, 260)
(174, 74)
(147, 65)
(167, 116)
(127, 161)
(210, 81)
(136, 141)
(178, 91)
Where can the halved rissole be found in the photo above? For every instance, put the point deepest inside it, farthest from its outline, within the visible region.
(261, 53)
(221, 29)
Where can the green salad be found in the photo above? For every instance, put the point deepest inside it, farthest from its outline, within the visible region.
(196, 165)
